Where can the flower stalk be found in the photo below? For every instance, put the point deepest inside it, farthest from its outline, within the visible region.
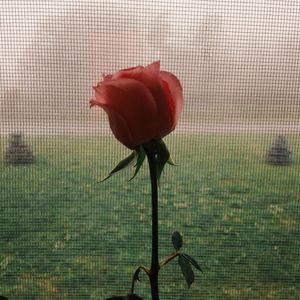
(144, 104)
(154, 269)
(157, 155)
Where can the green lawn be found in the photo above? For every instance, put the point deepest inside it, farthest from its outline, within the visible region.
(65, 236)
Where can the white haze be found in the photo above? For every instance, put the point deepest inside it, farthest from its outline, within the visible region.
(239, 61)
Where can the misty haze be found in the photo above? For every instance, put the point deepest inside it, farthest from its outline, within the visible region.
(230, 206)
(239, 62)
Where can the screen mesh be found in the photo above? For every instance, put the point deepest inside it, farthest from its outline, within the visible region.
(234, 195)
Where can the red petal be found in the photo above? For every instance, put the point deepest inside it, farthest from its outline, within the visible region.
(134, 103)
(119, 127)
(175, 89)
(129, 73)
(150, 77)
(153, 68)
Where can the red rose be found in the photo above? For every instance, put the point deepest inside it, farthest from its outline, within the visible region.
(142, 103)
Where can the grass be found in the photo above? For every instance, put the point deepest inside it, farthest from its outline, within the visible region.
(65, 236)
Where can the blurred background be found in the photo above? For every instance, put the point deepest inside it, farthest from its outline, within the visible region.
(234, 195)
(238, 60)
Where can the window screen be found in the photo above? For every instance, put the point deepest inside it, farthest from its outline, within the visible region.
(234, 194)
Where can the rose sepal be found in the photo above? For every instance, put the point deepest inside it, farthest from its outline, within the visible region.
(136, 158)
(140, 157)
(162, 157)
(123, 164)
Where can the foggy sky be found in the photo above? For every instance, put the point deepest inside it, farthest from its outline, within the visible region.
(237, 60)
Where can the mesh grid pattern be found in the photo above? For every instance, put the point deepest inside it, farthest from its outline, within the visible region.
(65, 237)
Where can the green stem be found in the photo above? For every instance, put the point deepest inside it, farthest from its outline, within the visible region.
(154, 269)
